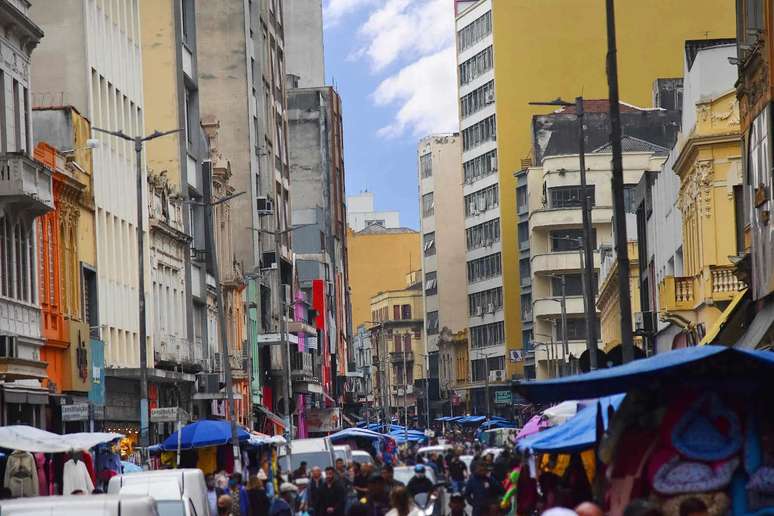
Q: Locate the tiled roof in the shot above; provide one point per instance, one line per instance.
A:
(632, 144)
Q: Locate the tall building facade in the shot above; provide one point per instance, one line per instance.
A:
(361, 213)
(443, 254)
(102, 79)
(319, 212)
(498, 42)
(26, 194)
(242, 84)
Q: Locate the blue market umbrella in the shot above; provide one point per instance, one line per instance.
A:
(204, 433)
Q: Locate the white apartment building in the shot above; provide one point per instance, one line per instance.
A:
(555, 240)
(92, 58)
(476, 91)
(443, 254)
(361, 213)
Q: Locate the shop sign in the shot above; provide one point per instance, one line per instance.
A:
(323, 419)
(168, 415)
(75, 412)
(503, 397)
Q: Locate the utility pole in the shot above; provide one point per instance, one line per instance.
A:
(405, 389)
(565, 346)
(212, 258)
(619, 214)
(142, 332)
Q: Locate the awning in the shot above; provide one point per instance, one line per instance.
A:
(758, 329)
(714, 330)
(701, 365)
(271, 416)
(31, 439)
(24, 395)
(576, 434)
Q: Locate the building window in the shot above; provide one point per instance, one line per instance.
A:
(396, 312)
(428, 206)
(432, 323)
(478, 133)
(483, 235)
(482, 200)
(429, 243)
(477, 30)
(397, 342)
(477, 99)
(525, 272)
(630, 198)
(489, 266)
(405, 312)
(485, 302)
(407, 342)
(522, 201)
(576, 329)
(431, 283)
(526, 307)
(570, 239)
(188, 20)
(480, 166)
(573, 285)
(426, 164)
(524, 235)
(569, 196)
(486, 335)
(17, 261)
(476, 66)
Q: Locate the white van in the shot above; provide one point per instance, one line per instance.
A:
(343, 452)
(80, 505)
(178, 492)
(315, 452)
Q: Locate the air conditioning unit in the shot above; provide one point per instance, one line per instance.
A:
(479, 310)
(490, 308)
(498, 375)
(489, 97)
(264, 205)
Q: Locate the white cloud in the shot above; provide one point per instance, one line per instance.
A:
(426, 91)
(335, 10)
(406, 29)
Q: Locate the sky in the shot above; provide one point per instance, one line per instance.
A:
(393, 63)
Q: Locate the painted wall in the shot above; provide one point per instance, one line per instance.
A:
(304, 41)
(565, 56)
(379, 262)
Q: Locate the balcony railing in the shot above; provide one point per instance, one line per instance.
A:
(25, 184)
(398, 356)
(715, 283)
(301, 364)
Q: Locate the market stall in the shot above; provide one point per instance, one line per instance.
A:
(378, 445)
(694, 423)
(35, 462)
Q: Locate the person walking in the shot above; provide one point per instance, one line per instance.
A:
(402, 503)
(285, 503)
(257, 499)
(331, 496)
(481, 489)
(225, 504)
(240, 505)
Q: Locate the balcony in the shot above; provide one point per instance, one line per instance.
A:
(400, 356)
(552, 308)
(716, 283)
(559, 261)
(301, 364)
(545, 218)
(25, 186)
(176, 350)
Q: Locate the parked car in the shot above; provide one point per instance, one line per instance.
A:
(91, 505)
(178, 492)
(363, 457)
(315, 452)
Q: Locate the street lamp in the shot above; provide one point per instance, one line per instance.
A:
(139, 141)
(591, 341)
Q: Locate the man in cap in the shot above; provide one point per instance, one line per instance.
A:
(285, 503)
(419, 483)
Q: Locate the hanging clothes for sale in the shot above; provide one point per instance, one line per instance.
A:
(40, 461)
(75, 477)
(207, 459)
(21, 474)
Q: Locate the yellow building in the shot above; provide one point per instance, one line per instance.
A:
(608, 299)
(400, 351)
(544, 50)
(710, 169)
(378, 259)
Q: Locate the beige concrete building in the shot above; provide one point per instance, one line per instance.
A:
(443, 251)
(555, 242)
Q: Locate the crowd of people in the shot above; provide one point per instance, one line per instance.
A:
(489, 486)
